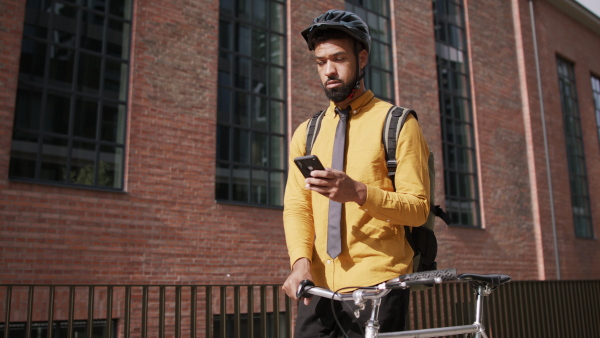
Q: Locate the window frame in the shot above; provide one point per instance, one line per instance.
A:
(241, 61)
(595, 82)
(369, 15)
(574, 147)
(461, 182)
(48, 27)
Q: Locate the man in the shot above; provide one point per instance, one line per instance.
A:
(373, 213)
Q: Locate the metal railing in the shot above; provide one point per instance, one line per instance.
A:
(542, 309)
(518, 309)
(146, 310)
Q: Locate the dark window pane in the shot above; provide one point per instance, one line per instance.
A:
(33, 59)
(277, 117)
(91, 32)
(260, 111)
(222, 182)
(65, 24)
(276, 84)
(110, 170)
(276, 50)
(260, 150)
(240, 183)
(24, 152)
(223, 143)
(259, 45)
(224, 103)
(116, 35)
(115, 73)
(242, 73)
(54, 159)
(33, 30)
(277, 152)
(259, 12)
(241, 109)
(83, 162)
(56, 117)
(89, 73)
(276, 184)
(259, 80)
(260, 179)
(243, 40)
(277, 16)
(113, 123)
(28, 109)
(86, 119)
(241, 146)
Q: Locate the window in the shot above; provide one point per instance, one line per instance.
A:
(379, 70)
(251, 121)
(60, 329)
(596, 94)
(71, 104)
(460, 171)
(580, 197)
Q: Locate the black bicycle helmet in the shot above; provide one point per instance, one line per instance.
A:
(343, 20)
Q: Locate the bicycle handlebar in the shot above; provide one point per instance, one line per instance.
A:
(307, 288)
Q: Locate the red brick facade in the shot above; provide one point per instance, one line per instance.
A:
(167, 228)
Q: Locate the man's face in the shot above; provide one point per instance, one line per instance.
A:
(336, 63)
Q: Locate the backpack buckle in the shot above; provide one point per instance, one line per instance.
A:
(392, 164)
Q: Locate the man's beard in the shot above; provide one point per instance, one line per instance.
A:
(339, 94)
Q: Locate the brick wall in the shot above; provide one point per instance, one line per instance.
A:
(167, 227)
(561, 35)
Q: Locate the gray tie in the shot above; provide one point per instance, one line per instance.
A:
(334, 242)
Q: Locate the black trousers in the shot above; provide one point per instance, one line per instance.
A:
(318, 320)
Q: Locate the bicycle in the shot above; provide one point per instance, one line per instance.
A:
(483, 285)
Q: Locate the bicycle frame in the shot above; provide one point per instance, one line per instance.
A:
(476, 328)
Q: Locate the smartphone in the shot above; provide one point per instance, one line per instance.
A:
(308, 163)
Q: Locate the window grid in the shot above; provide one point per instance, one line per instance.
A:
(251, 133)
(379, 70)
(71, 100)
(580, 198)
(596, 95)
(460, 173)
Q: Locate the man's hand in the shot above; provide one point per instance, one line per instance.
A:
(336, 185)
(300, 272)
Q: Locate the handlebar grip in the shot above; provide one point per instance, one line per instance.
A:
(303, 288)
(446, 275)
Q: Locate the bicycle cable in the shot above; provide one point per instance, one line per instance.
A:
(354, 320)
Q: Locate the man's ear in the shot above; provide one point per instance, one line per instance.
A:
(363, 57)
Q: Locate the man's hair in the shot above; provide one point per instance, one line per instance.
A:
(335, 34)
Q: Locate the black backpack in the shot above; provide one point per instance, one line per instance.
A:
(421, 239)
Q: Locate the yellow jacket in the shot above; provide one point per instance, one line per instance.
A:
(374, 248)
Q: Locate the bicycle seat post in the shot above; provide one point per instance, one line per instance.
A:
(372, 327)
(482, 291)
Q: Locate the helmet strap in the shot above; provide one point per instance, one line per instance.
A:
(359, 77)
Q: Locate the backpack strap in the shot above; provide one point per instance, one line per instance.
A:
(439, 212)
(312, 130)
(394, 122)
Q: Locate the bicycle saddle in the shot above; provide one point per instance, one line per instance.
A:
(491, 280)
